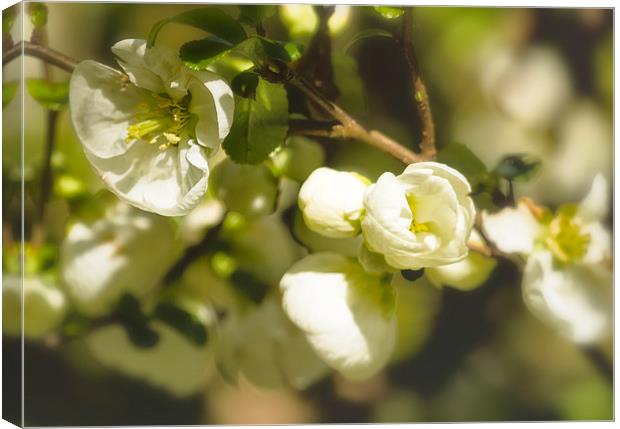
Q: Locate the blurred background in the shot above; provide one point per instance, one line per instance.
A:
(501, 81)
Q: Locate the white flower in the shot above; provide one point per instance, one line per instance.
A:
(513, 230)
(574, 299)
(264, 346)
(332, 202)
(346, 313)
(421, 218)
(148, 132)
(44, 306)
(467, 274)
(126, 252)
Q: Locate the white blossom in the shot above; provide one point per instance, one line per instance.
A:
(346, 314)
(148, 131)
(467, 274)
(44, 306)
(125, 252)
(513, 230)
(421, 218)
(574, 299)
(332, 202)
(267, 349)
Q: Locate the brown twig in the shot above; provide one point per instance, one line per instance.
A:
(44, 53)
(419, 92)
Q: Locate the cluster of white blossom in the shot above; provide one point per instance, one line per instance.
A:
(567, 277)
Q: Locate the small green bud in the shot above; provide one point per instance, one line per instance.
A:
(38, 14)
(298, 158)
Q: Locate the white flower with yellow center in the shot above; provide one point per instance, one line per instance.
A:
(346, 313)
(148, 131)
(126, 252)
(332, 202)
(567, 278)
(421, 218)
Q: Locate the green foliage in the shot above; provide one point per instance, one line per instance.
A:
(372, 33)
(347, 79)
(184, 322)
(390, 12)
(210, 20)
(200, 54)
(460, 157)
(520, 167)
(129, 313)
(51, 95)
(255, 13)
(260, 125)
(9, 90)
(38, 14)
(261, 49)
(8, 19)
(244, 84)
(247, 189)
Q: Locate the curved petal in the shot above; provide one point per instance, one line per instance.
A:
(346, 314)
(595, 205)
(575, 300)
(169, 182)
(513, 230)
(130, 54)
(214, 104)
(102, 105)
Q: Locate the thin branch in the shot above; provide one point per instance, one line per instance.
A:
(350, 128)
(420, 94)
(44, 53)
(598, 359)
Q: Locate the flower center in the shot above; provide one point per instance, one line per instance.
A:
(415, 227)
(162, 121)
(565, 237)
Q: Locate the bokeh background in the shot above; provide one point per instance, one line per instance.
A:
(501, 80)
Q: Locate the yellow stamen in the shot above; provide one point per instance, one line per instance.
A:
(416, 227)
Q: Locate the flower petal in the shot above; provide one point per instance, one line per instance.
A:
(513, 230)
(102, 106)
(575, 300)
(595, 205)
(213, 103)
(347, 314)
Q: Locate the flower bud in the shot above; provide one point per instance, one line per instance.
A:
(346, 313)
(299, 158)
(44, 306)
(332, 202)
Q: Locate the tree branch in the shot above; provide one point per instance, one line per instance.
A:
(44, 53)
(419, 92)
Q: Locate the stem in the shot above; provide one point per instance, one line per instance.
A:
(44, 53)
(600, 362)
(350, 128)
(420, 94)
(38, 234)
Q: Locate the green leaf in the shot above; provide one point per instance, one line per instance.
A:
(38, 14)
(371, 33)
(459, 157)
(184, 322)
(136, 323)
(390, 12)
(259, 125)
(8, 19)
(199, 54)
(8, 92)
(51, 95)
(260, 50)
(255, 13)
(244, 84)
(213, 21)
(519, 167)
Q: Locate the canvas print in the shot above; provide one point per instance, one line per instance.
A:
(304, 213)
